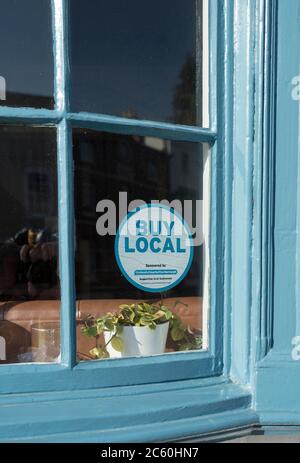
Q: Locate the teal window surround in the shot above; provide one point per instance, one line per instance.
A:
(279, 322)
(178, 366)
(197, 395)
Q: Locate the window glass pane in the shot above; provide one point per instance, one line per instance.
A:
(139, 59)
(29, 281)
(113, 169)
(26, 53)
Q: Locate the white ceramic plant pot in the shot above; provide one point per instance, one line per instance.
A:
(2, 349)
(140, 341)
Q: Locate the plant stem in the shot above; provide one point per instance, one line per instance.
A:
(85, 355)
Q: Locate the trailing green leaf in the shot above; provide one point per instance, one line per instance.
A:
(90, 331)
(117, 343)
(177, 332)
(109, 324)
(99, 353)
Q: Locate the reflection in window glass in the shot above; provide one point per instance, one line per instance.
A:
(29, 281)
(121, 169)
(26, 73)
(138, 59)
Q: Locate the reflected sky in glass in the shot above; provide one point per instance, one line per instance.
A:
(26, 55)
(135, 59)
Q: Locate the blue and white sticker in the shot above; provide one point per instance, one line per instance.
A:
(154, 248)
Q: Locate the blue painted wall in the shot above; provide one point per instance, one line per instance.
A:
(278, 375)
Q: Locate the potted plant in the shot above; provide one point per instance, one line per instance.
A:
(139, 329)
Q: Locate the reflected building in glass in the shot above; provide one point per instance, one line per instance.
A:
(29, 274)
(148, 169)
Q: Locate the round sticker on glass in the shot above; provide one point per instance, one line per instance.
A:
(154, 248)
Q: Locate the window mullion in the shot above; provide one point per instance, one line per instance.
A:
(61, 54)
(66, 244)
(125, 126)
(65, 185)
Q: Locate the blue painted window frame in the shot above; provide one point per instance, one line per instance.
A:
(178, 366)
